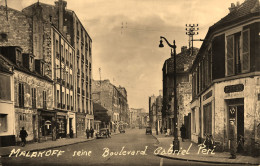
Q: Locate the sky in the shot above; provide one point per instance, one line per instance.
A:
(126, 35)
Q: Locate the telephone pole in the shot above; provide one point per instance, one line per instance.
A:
(191, 30)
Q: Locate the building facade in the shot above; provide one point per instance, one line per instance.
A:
(226, 78)
(55, 45)
(7, 114)
(114, 99)
(183, 82)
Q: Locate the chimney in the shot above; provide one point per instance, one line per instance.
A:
(183, 48)
(60, 4)
(232, 8)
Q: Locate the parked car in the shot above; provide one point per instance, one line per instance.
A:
(148, 130)
(122, 130)
(102, 133)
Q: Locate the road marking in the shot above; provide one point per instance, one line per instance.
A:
(161, 162)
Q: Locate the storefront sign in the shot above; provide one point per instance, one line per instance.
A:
(234, 88)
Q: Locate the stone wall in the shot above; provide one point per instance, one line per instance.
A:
(17, 29)
(24, 116)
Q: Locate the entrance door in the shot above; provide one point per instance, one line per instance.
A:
(70, 128)
(34, 128)
(240, 127)
(236, 112)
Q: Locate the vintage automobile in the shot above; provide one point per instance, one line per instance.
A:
(148, 130)
(102, 133)
(122, 130)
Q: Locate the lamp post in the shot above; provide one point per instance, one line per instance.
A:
(176, 143)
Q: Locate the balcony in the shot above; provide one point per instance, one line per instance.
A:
(63, 106)
(78, 90)
(68, 107)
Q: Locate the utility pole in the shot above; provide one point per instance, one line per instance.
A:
(191, 30)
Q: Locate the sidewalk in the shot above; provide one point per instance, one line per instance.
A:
(5, 151)
(217, 158)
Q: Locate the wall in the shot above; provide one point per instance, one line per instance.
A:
(17, 28)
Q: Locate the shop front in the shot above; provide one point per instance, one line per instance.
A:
(47, 125)
(61, 124)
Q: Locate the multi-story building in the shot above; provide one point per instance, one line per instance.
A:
(138, 117)
(7, 114)
(152, 111)
(155, 111)
(73, 71)
(183, 82)
(60, 45)
(113, 98)
(226, 79)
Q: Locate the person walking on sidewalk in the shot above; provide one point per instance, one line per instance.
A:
(87, 133)
(183, 132)
(23, 135)
(91, 131)
(232, 138)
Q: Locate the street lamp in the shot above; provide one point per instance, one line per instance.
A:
(176, 143)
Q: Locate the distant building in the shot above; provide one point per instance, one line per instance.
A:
(155, 111)
(114, 99)
(226, 79)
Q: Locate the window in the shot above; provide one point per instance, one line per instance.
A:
(44, 100)
(3, 122)
(237, 53)
(207, 118)
(33, 98)
(21, 95)
(3, 37)
(5, 87)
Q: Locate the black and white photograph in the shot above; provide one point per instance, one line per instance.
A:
(129, 82)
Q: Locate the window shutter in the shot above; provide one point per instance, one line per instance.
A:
(245, 51)
(230, 56)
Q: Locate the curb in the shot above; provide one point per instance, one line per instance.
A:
(58, 146)
(204, 161)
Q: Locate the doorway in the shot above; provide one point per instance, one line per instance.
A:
(236, 112)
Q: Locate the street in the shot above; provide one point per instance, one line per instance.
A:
(131, 148)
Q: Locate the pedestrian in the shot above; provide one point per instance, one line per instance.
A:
(165, 130)
(183, 132)
(23, 135)
(71, 133)
(108, 133)
(91, 131)
(87, 133)
(232, 138)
